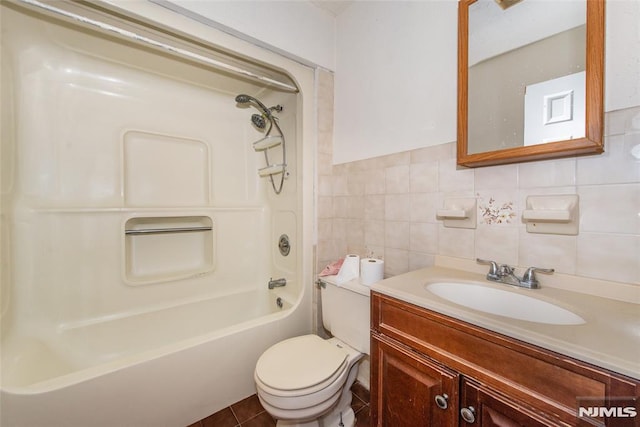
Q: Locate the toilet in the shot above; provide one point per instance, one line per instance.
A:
(306, 381)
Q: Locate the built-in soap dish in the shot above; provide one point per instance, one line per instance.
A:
(458, 213)
(163, 248)
(552, 214)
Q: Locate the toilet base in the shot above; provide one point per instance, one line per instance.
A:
(331, 419)
(341, 415)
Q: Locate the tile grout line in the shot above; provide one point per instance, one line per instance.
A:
(238, 423)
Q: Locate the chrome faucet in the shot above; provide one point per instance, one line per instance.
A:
(277, 283)
(506, 274)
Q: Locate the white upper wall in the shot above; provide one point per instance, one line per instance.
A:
(296, 29)
(396, 73)
(395, 62)
(395, 81)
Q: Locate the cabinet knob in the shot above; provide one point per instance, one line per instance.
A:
(468, 414)
(442, 401)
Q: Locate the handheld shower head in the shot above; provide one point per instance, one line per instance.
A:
(243, 99)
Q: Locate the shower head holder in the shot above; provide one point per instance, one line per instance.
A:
(268, 141)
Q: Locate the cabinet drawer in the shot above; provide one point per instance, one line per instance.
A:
(546, 380)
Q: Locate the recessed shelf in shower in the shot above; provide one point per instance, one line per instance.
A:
(163, 248)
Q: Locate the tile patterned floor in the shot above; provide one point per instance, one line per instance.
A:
(249, 412)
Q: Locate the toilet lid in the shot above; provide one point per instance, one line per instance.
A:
(299, 362)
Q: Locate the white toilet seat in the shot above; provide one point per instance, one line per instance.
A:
(321, 367)
(300, 366)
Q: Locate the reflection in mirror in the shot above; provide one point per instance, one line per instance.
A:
(530, 79)
(520, 60)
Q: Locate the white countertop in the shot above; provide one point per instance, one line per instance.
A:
(610, 337)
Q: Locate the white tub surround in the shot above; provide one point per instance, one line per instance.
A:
(138, 239)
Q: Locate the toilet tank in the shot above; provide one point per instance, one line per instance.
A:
(346, 312)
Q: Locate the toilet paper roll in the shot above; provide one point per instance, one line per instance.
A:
(350, 269)
(371, 271)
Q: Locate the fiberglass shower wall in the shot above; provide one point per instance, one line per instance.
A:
(103, 139)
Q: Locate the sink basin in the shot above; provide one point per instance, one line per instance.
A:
(504, 303)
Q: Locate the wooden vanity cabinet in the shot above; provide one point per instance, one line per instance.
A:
(482, 406)
(428, 369)
(407, 386)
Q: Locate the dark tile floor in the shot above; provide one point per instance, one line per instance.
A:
(249, 412)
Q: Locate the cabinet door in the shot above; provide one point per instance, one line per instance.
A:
(481, 406)
(410, 390)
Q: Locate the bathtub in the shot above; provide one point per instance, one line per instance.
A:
(165, 367)
(104, 140)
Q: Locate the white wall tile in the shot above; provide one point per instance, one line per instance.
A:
(396, 234)
(610, 208)
(424, 207)
(452, 179)
(355, 236)
(388, 205)
(457, 242)
(375, 182)
(549, 173)
(396, 261)
(424, 177)
(503, 176)
(397, 179)
(615, 166)
(499, 207)
(339, 230)
(419, 260)
(498, 244)
(423, 237)
(325, 207)
(374, 207)
(434, 153)
(374, 232)
(355, 207)
(609, 257)
(340, 207)
(397, 207)
(547, 251)
(356, 183)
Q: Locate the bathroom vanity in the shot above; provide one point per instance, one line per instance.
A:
(431, 368)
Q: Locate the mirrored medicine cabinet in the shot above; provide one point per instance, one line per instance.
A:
(530, 80)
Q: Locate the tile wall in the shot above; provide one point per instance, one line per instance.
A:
(386, 205)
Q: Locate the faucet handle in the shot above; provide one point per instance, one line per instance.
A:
(493, 273)
(529, 277)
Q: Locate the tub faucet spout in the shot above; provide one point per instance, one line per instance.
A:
(277, 283)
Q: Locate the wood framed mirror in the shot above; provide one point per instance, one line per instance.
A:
(528, 88)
